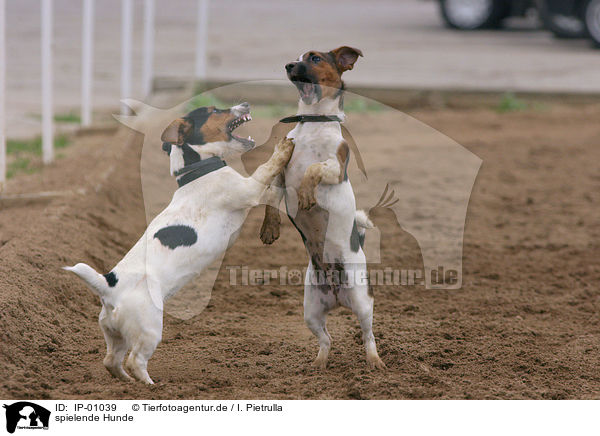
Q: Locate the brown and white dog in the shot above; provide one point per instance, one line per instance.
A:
(203, 219)
(320, 200)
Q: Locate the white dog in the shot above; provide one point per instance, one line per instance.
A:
(199, 224)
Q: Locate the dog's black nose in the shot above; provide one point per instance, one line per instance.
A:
(289, 66)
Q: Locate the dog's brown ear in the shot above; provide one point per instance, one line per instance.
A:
(345, 57)
(177, 132)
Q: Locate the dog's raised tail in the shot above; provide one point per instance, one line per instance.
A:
(362, 220)
(362, 224)
(95, 281)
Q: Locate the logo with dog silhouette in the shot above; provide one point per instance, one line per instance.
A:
(26, 415)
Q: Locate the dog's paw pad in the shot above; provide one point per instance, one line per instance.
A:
(374, 362)
(320, 364)
(269, 235)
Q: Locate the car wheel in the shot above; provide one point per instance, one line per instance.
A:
(561, 25)
(592, 20)
(473, 14)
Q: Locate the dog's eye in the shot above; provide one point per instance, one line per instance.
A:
(315, 58)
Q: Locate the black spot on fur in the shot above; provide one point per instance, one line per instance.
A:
(346, 165)
(355, 238)
(167, 147)
(177, 236)
(111, 279)
(340, 93)
(317, 262)
(361, 238)
(198, 117)
(189, 155)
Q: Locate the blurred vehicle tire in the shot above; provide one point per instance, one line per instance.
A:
(591, 15)
(474, 14)
(560, 24)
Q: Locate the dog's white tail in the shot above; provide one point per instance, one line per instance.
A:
(362, 220)
(96, 282)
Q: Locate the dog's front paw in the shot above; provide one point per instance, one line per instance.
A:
(286, 145)
(269, 232)
(306, 197)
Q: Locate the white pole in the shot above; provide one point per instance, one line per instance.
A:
(147, 71)
(126, 35)
(87, 38)
(201, 34)
(47, 117)
(2, 93)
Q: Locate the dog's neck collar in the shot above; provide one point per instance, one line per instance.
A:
(196, 170)
(311, 119)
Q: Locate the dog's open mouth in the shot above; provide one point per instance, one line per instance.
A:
(237, 122)
(306, 88)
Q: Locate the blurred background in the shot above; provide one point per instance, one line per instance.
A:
(407, 44)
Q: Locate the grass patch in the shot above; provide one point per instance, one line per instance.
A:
(361, 105)
(67, 118)
(14, 146)
(205, 99)
(61, 141)
(273, 110)
(510, 103)
(540, 107)
(352, 104)
(259, 111)
(23, 155)
(33, 146)
(19, 165)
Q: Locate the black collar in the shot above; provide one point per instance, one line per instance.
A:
(196, 170)
(310, 119)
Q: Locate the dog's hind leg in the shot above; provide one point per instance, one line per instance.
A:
(141, 352)
(316, 307)
(361, 302)
(116, 348)
(315, 319)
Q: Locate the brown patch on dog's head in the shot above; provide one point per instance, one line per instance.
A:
(212, 127)
(207, 125)
(177, 131)
(319, 74)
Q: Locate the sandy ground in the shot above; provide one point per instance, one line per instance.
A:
(404, 42)
(524, 324)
